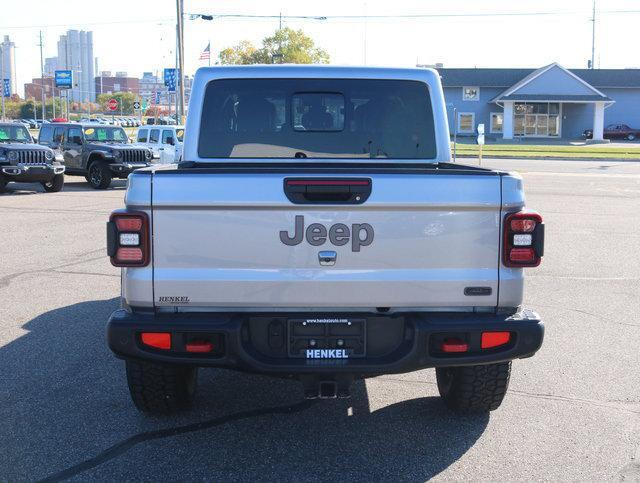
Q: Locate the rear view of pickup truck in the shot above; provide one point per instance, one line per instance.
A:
(316, 228)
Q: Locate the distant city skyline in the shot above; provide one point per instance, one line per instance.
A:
(8, 51)
(139, 36)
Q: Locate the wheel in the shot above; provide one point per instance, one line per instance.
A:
(473, 389)
(55, 185)
(99, 176)
(3, 184)
(161, 388)
(631, 137)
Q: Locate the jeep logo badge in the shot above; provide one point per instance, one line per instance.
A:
(361, 234)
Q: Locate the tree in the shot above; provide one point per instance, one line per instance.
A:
(285, 46)
(26, 109)
(243, 53)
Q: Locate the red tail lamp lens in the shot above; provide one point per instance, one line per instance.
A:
(129, 255)
(128, 239)
(523, 225)
(129, 223)
(494, 339)
(522, 255)
(199, 346)
(157, 340)
(454, 345)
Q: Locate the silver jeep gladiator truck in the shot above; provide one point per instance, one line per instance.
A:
(317, 229)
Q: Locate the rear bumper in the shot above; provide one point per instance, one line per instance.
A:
(238, 345)
(31, 174)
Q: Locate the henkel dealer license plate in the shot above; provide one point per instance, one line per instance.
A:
(327, 338)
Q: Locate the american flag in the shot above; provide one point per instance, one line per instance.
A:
(206, 53)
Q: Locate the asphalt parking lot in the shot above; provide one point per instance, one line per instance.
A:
(572, 413)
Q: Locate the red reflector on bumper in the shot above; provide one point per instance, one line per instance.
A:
(199, 346)
(522, 255)
(454, 345)
(129, 255)
(494, 339)
(158, 340)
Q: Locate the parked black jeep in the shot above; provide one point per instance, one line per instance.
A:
(23, 161)
(99, 153)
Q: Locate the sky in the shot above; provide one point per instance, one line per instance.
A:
(139, 35)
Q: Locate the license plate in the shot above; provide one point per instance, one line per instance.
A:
(328, 338)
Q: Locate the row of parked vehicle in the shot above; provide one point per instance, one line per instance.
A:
(99, 152)
(113, 121)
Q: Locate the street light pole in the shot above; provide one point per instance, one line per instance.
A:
(180, 33)
(44, 96)
(2, 75)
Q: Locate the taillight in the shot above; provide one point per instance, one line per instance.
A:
(128, 238)
(523, 239)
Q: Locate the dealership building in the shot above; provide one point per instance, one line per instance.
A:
(550, 102)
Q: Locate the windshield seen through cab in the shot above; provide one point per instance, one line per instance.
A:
(105, 134)
(14, 134)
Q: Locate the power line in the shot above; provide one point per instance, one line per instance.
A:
(85, 24)
(239, 16)
(244, 17)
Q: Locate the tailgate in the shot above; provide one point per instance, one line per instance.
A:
(217, 242)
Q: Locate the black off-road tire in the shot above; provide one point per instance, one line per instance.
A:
(99, 176)
(3, 184)
(55, 185)
(631, 137)
(161, 388)
(474, 389)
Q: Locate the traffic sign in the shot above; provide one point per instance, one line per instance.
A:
(170, 79)
(136, 105)
(6, 88)
(112, 104)
(64, 79)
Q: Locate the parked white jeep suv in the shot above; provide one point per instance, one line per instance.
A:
(164, 141)
(316, 228)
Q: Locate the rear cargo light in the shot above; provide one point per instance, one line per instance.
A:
(157, 340)
(128, 239)
(523, 244)
(453, 345)
(494, 339)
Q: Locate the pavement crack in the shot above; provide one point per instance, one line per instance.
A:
(7, 279)
(610, 404)
(124, 446)
(86, 273)
(599, 318)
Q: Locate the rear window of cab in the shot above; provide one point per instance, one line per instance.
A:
(317, 118)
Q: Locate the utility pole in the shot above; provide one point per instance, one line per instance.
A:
(180, 33)
(44, 96)
(2, 75)
(593, 36)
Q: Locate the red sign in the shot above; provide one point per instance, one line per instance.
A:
(112, 104)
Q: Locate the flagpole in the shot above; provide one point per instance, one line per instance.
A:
(209, 52)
